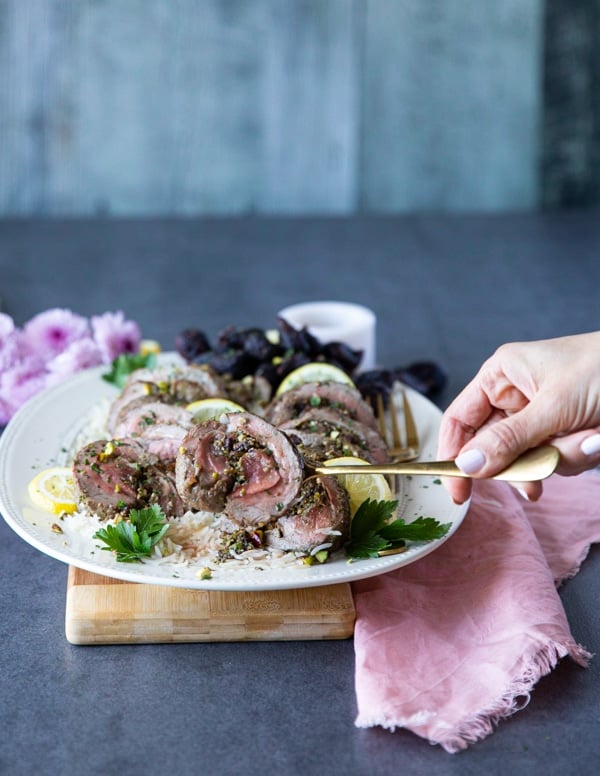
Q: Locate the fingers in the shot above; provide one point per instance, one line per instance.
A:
(458, 489)
(456, 437)
(530, 491)
(492, 447)
(498, 444)
(467, 413)
(579, 451)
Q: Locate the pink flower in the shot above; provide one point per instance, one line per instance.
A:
(9, 343)
(114, 335)
(82, 354)
(54, 345)
(21, 382)
(51, 332)
(7, 327)
(9, 354)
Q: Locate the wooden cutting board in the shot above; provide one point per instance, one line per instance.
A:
(102, 610)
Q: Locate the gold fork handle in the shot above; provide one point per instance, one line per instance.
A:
(535, 464)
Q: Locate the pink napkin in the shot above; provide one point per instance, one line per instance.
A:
(450, 645)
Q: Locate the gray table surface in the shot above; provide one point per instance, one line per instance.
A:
(444, 288)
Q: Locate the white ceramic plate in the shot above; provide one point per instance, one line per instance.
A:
(44, 430)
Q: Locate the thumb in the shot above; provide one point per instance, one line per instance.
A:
(497, 445)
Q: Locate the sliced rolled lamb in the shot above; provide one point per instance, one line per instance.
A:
(114, 476)
(240, 465)
(345, 399)
(318, 519)
(179, 385)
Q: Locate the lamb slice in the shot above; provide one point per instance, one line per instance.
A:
(134, 392)
(253, 392)
(321, 434)
(107, 475)
(362, 436)
(178, 385)
(317, 447)
(114, 476)
(141, 415)
(269, 470)
(344, 398)
(196, 381)
(164, 440)
(183, 384)
(203, 475)
(160, 427)
(318, 519)
(240, 465)
(158, 487)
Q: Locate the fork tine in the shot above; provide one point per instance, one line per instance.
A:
(401, 447)
(380, 414)
(412, 437)
(397, 442)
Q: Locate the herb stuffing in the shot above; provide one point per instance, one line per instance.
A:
(372, 531)
(133, 539)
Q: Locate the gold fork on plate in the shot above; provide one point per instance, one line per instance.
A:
(402, 446)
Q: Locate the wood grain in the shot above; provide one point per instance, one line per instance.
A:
(103, 610)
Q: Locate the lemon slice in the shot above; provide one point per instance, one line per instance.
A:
(148, 346)
(315, 372)
(53, 490)
(360, 487)
(212, 408)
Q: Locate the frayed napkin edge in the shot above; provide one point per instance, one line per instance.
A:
(575, 568)
(516, 698)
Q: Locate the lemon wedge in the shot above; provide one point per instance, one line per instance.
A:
(53, 490)
(212, 408)
(315, 372)
(148, 346)
(360, 487)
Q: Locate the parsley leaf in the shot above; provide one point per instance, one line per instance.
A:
(133, 539)
(126, 363)
(371, 530)
(423, 529)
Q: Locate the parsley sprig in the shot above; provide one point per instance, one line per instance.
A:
(133, 539)
(372, 529)
(123, 365)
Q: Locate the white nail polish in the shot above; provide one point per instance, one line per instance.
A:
(591, 445)
(471, 461)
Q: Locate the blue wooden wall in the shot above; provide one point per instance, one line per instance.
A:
(269, 106)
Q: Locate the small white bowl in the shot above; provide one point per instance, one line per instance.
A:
(346, 322)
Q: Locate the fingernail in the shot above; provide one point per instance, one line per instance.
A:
(471, 461)
(591, 445)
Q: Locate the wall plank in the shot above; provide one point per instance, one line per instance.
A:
(159, 104)
(311, 106)
(571, 132)
(266, 106)
(451, 105)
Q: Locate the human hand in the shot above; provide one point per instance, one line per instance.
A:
(526, 394)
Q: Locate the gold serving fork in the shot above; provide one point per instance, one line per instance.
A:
(401, 446)
(536, 464)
